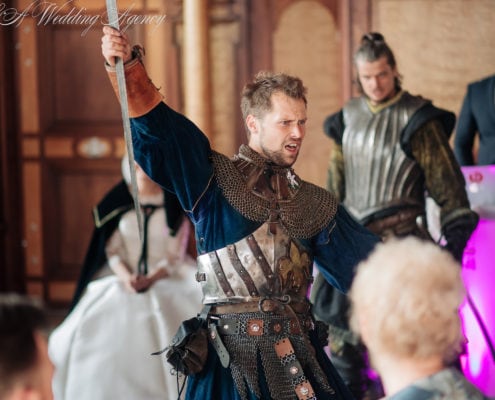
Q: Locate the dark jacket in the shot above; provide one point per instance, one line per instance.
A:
(477, 116)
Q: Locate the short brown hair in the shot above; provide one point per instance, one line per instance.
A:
(256, 95)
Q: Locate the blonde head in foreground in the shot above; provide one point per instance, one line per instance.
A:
(405, 301)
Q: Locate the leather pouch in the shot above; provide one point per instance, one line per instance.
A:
(189, 348)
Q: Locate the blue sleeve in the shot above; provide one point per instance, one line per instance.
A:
(465, 132)
(340, 247)
(173, 152)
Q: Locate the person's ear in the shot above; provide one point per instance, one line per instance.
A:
(252, 124)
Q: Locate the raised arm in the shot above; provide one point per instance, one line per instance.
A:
(170, 148)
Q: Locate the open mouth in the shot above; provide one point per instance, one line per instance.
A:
(292, 147)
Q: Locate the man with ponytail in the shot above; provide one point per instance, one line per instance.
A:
(389, 148)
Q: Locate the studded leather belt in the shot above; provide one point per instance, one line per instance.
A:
(259, 327)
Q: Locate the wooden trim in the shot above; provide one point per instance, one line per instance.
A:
(33, 222)
(11, 273)
(61, 291)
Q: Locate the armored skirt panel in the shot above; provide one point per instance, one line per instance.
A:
(382, 176)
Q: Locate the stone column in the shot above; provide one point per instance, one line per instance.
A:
(197, 99)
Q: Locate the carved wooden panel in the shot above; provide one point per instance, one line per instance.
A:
(80, 89)
(71, 190)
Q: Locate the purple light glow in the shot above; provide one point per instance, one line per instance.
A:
(478, 275)
(478, 270)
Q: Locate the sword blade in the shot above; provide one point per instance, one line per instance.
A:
(113, 21)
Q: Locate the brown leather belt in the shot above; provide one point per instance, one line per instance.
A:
(263, 305)
(259, 327)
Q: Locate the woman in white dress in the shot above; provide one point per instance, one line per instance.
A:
(102, 350)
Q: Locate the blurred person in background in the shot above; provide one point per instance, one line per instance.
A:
(131, 298)
(25, 368)
(389, 148)
(405, 301)
(477, 119)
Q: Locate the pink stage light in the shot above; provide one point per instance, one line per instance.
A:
(478, 313)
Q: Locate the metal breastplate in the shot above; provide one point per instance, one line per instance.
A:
(264, 264)
(379, 175)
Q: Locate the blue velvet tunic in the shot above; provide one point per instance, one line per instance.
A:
(177, 155)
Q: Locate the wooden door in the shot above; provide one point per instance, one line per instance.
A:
(70, 130)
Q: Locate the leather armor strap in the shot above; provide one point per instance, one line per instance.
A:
(246, 278)
(263, 263)
(263, 304)
(220, 275)
(218, 345)
(292, 367)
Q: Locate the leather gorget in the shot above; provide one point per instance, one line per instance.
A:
(380, 176)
